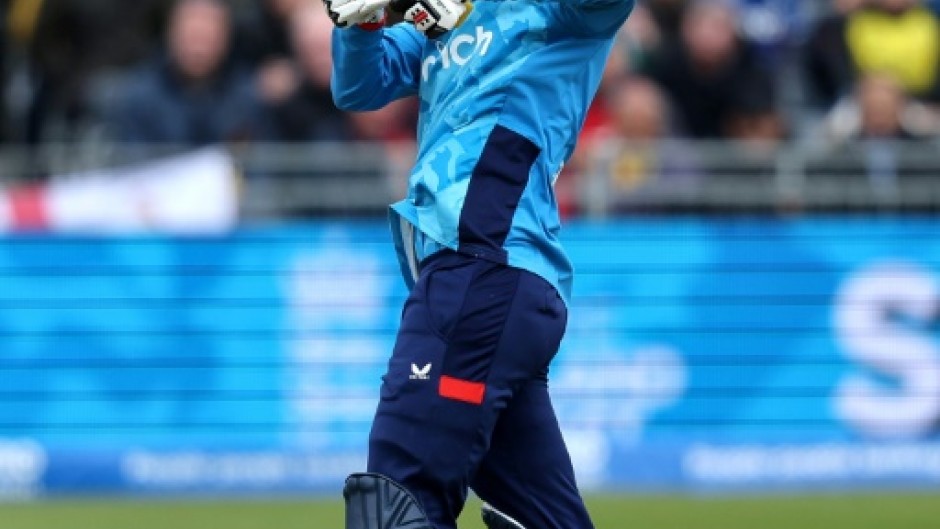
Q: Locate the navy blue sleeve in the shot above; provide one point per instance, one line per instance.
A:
(595, 18)
(374, 68)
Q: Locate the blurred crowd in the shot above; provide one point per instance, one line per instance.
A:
(198, 72)
(187, 73)
(772, 70)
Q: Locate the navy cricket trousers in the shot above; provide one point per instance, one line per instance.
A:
(465, 400)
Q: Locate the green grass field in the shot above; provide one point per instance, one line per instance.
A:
(824, 511)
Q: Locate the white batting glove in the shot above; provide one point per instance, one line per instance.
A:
(433, 17)
(345, 13)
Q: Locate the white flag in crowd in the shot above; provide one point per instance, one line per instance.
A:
(191, 193)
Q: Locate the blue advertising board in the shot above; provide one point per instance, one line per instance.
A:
(702, 353)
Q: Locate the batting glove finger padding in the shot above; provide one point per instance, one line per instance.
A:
(346, 13)
(433, 17)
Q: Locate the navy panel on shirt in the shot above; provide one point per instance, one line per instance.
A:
(496, 185)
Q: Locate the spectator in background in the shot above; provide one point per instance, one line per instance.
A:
(900, 37)
(301, 107)
(704, 71)
(753, 117)
(770, 25)
(870, 128)
(69, 42)
(755, 127)
(829, 71)
(641, 37)
(639, 111)
(638, 155)
(267, 43)
(878, 109)
(192, 96)
(881, 103)
(668, 16)
(263, 32)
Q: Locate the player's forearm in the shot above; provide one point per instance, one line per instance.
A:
(593, 4)
(594, 18)
(369, 70)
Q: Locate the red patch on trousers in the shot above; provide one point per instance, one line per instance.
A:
(462, 390)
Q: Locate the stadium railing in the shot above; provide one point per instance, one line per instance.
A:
(328, 179)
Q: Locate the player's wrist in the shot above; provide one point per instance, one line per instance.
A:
(375, 22)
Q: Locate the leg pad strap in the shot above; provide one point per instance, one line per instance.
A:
(374, 501)
(495, 519)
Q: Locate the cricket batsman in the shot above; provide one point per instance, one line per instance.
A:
(504, 86)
